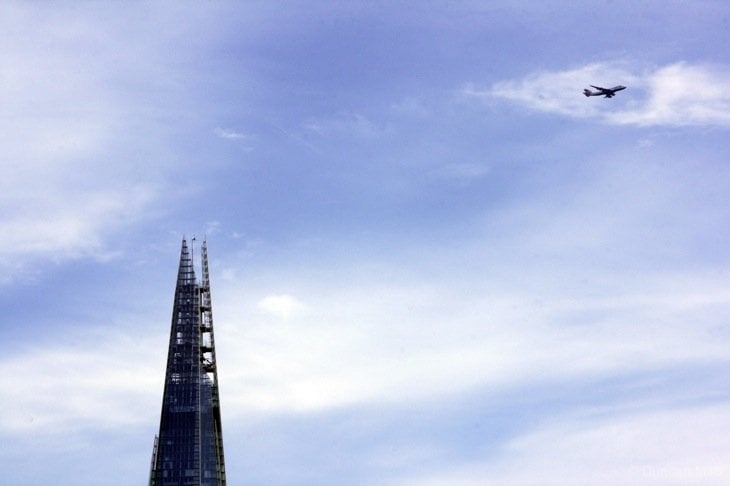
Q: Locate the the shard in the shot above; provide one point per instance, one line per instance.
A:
(188, 450)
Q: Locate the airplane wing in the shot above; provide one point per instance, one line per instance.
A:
(598, 88)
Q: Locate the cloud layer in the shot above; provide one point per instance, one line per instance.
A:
(680, 446)
(677, 94)
(408, 288)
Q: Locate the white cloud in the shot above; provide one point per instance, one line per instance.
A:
(682, 94)
(677, 94)
(576, 285)
(532, 300)
(374, 343)
(235, 136)
(346, 123)
(84, 150)
(677, 446)
(54, 387)
(57, 226)
(230, 134)
(558, 92)
(53, 153)
(281, 306)
(212, 228)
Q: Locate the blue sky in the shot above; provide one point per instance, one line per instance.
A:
(433, 260)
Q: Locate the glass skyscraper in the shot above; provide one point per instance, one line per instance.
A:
(188, 450)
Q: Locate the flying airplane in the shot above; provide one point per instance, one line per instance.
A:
(607, 92)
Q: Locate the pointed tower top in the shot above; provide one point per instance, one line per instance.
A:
(189, 447)
(186, 272)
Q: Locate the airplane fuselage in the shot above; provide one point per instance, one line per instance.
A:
(605, 92)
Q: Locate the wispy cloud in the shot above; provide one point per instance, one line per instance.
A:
(229, 134)
(87, 375)
(682, 94)
(232, 135)
(346, 123)
(57, 225)
(684, 445)
(373, 343)
(84, 150)
(282, 306)
(675, 95)
(461, 171)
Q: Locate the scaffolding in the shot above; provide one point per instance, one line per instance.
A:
(188, 451)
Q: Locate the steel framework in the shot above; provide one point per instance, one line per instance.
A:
(188, 451)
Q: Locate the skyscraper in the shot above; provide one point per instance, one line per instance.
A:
(188, 450)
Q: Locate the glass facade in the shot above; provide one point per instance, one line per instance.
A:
(189, 447)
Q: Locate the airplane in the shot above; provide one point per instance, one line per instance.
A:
(606, 92)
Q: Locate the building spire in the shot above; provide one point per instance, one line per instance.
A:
(189, 447)
(186, 271)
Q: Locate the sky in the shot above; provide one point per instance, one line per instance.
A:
(433, 260)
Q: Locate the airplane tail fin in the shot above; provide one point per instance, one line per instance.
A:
(587, 92)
